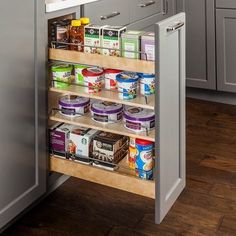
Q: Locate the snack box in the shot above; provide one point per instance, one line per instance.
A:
(59, 138)
(93, 37)
(148, 46)
(81, 144)
(111, 40)
(131, 44)
(109, 148)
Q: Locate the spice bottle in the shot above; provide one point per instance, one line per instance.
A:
(84, 21)
(75, 35)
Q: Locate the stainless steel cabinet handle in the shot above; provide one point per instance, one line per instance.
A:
(175, 27)
(146, 4)
(113, 14)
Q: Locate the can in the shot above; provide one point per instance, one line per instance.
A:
(132, 157)
(144, 159)
(93, 79)
(147, 84)
(110, 78)
(61, 75)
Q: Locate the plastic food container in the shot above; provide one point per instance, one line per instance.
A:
(61, 75)
(127, 83)
(144, 160)
(139, 119)
(79, 78)
(93, 79)
(106, 112)
(73, 105)
(110, 78)
(147, 84)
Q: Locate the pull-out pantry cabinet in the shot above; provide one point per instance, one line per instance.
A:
(168, 104)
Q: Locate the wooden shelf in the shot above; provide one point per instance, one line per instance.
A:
(117, 128)
(120, 179)
(107, 96)
(102, 61)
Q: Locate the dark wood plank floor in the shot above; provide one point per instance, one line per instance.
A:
(206, 207)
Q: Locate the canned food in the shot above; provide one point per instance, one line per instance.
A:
(73, 105)
(144, 160)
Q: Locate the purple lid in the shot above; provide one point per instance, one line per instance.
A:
(138, 114)
(106, 107)
(73, 101)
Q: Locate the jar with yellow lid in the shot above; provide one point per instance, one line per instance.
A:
(84, 21)
(76, 35)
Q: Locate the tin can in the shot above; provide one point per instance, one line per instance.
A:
(132, 157)
(144, 160)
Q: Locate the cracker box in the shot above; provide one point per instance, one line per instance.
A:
(59, 138)
(131, 43)
(81, 141)
(148, 46)
(108, 147)
(93, 37)
(111, 40)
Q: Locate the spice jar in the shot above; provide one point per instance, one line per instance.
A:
(76, 35)
(84, 21)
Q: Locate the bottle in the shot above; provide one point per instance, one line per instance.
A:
(75, 35)
(84, 21)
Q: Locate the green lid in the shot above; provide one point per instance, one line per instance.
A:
(77, 66)
(61, 68)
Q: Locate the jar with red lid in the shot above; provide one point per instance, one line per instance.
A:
(110, 78)
(144, 159)
(93, 79)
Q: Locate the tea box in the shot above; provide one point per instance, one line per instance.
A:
(92, 38)
(111, 40)
(148, 46)
(131, 44)
(108, 147)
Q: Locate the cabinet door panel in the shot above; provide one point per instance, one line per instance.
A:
(226, 50)
(21, 167)
(170, 107)
(200, 42)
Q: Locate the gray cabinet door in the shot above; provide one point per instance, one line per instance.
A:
(200, 36)
(22, 78)
(226, 49)
(170, 107)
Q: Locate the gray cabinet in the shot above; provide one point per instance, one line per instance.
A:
(200, 36)
(226, 49)
(22, 103)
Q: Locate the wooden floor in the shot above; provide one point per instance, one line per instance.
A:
(206, 207)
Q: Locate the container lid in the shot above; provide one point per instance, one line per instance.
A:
(75, 23)
(138, 114)
(80, 66)
(127, 77)
(143, 142)
(92, 71)
(105, 107)
(112, 71)
(132, 34)
(148, 36)
(73, 101)
(61, 68)
(85, 20)
(143, 75)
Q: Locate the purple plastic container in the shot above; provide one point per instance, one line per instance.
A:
(139, 119)
(106, 112)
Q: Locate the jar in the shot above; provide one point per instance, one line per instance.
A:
(84, 21)
(144, 160)
(79, 78)
(93, 79)
(106, 112)
(74, 105)
(76, 35)
(61, 74)
(147, 84)
(127, 83)
(110, 78)
(138, 119)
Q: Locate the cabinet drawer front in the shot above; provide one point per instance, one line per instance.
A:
(226, 4)
(108, 12)
(140, 9)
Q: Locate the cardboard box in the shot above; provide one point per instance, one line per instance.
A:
(148, 46)
(111, 40)
(93, 37)
(108, 147)
(80, 142)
